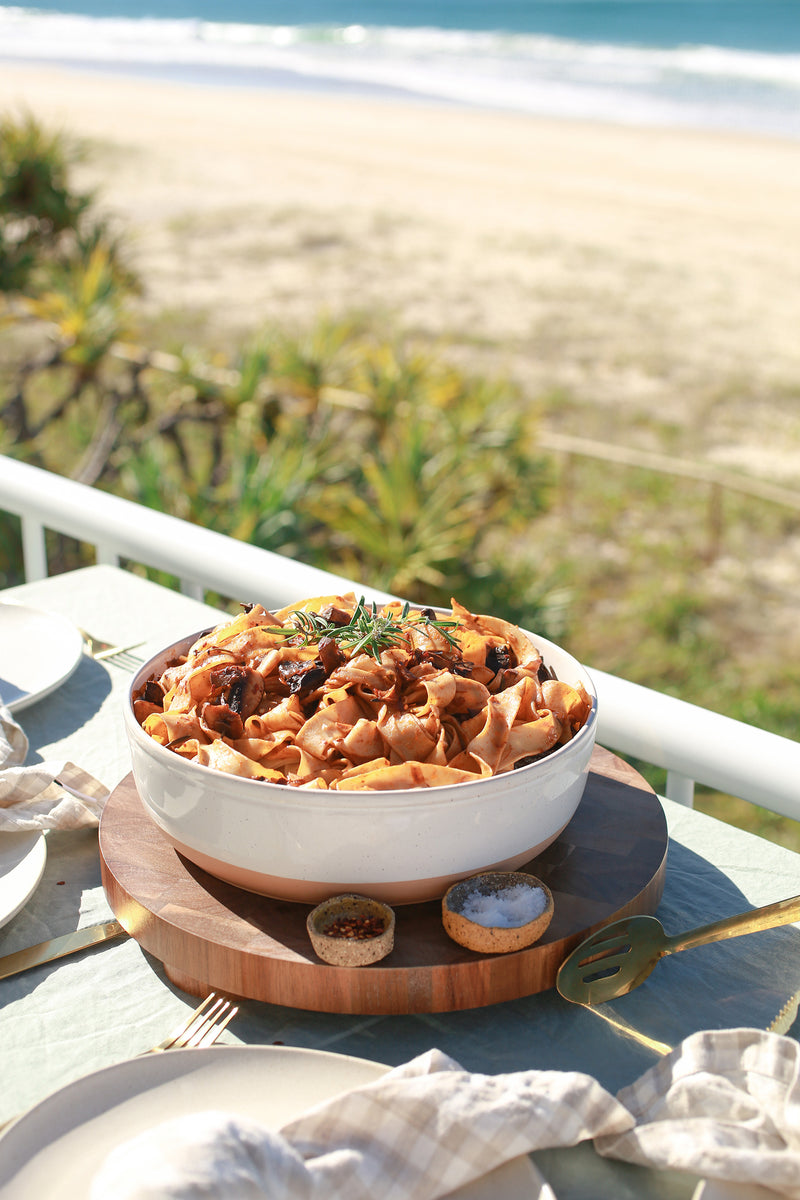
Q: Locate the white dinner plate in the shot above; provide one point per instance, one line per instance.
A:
(38, 652)
(22, 861)
(56, 1148)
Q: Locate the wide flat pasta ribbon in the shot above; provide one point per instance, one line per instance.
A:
(501, 712)
(325, 730)
(408, 738)
(405, 775)
(260, 696)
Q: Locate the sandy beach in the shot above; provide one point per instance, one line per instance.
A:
(635, 271)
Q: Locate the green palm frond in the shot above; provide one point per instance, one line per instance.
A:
(86, 306)
(34, 175)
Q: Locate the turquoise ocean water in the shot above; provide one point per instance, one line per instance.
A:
(724, 64)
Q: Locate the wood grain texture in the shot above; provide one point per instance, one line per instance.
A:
(609, 862)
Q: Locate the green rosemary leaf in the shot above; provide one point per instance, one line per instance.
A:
(365, 631)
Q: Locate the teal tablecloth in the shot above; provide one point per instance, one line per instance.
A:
(61, 1021)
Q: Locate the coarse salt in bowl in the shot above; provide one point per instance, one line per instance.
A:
(497, 912)
(400, 846)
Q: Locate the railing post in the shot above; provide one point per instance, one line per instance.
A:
(689, 742)
(680, 789)
(105, 555)
(34, 549)
(195, 590)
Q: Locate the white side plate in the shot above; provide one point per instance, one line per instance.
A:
(22, 862)
(38, 652)
(57, 1148)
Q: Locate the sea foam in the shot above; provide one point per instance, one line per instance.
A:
(685, 85)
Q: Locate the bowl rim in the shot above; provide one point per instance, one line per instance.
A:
(515, 879)
(355, 798)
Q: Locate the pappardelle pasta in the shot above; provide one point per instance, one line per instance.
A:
(333, 693)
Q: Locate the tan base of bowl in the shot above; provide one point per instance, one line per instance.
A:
(312, 891)
(493, 939)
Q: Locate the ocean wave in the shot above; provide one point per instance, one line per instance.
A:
(687, 84)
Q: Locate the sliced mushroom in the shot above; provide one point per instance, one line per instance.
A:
(498, 658)
(330, 654)
(334, 615)
(240, 688)
(302, 677)
(153, 692)
(219, 718)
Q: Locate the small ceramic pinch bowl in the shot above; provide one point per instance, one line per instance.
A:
(497, 912)
(351, 930)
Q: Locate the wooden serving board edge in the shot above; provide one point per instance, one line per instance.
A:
(475, 982)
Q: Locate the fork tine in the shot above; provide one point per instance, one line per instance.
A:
(205, 1029)
(101, 650)
(201, 1024)
(183, 1025)
(211, 1035)
(112, 653)
(125, 660)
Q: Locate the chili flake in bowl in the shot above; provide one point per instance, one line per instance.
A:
(351, 930)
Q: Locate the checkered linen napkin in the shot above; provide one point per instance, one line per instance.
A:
(47, 795)
(417, 1133)
(724, 1105)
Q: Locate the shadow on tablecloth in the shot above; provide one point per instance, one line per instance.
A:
(743, 981)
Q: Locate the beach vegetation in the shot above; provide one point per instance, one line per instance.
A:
(356, 452)
(354, 447)
(37, 204)
(46, 224)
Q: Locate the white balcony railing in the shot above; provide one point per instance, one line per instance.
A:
(692, 744)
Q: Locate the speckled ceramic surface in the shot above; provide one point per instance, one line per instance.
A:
(491, 938)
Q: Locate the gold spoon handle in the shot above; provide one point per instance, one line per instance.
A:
(782, 912)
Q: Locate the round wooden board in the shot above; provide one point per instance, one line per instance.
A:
(609, 862)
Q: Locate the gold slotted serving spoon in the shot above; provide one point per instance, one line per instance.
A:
(620, 956)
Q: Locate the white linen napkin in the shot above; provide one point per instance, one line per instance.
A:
(47, 795)
(724, 1105)
(419, 1132)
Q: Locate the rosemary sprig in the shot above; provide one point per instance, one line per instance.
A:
(367, 630)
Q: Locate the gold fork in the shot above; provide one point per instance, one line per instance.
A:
(107, 651)
(201, 1027)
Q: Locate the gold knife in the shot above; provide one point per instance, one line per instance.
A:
(68, 943)
(787, 1016)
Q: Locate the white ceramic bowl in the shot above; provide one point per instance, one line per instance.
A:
(398, 846)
